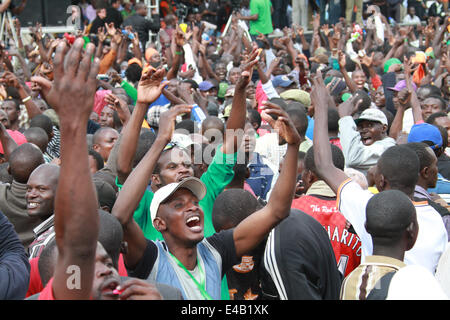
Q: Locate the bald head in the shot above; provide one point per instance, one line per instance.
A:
(49, 172)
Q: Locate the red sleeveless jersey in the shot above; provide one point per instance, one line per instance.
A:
(346, 245)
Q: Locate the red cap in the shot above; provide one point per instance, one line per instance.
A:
(18, 137)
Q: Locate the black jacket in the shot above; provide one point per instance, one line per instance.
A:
(299, 261)
(14, 265)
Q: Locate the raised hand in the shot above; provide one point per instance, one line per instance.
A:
(150, 85)
(247, 68)
(110, 29)
(367, 61)
(280, 121)
(168, 118)
(319, 93)
(120, 106)
(10, 80)
(73, 90)
(341, 60)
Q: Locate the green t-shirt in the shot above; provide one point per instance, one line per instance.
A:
(264, 22)
(216, 178)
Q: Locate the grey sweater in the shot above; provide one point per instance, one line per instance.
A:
(14, 207)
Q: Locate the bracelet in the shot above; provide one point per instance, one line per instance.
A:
(26, 99)
(179, 53)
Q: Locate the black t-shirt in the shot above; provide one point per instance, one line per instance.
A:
(223, 242)
(96, 24)
(244, 279)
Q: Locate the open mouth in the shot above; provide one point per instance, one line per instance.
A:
(193, 223)
(32, 205)
(366, 140)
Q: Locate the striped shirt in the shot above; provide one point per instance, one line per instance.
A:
(54, 144)
(360, 282)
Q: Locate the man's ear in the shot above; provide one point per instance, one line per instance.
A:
(310, 177)
(9, 169)
(424, 172)
(381, 184)
(156, 181)
(96, 147)
(411, 234)
(159, 224)
(385, 127)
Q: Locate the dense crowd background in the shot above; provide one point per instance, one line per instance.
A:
(245, 150)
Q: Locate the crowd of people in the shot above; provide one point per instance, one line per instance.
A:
(199, 154)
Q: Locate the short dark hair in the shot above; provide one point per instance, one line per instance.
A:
(400, 166)
(110, 235)
(133, 72)
(441, 100)
(42, 121)
(145, 142)
(254, 117)
(444, 134)
(38, 136)
(23, 160)
(300, 120)
(97, 157)
(188, 125)
(336, 154)
(232, 206)
(420, 148)
(434, 91)
(279, 102)
(388, 214)
(432, 118)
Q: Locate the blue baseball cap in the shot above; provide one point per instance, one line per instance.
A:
(282, 81)
(205, 86)
(426, 132)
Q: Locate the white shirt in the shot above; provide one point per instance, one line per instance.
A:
(357, 155)
(431, 239)
(411, 20)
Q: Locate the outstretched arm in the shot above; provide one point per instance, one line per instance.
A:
(251, 231)
(76, 217)
(322, 148)
(238, 115)
(149, 89)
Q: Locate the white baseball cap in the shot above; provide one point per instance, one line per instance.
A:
(373, 115)
(195, 185)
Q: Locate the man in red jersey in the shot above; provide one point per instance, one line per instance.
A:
(320, 203)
